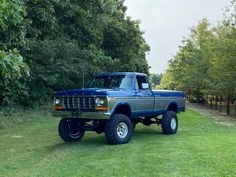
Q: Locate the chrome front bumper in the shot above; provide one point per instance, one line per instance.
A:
(82, 115)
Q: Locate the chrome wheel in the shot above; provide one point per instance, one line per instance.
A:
(74, 129)
(122, 130)
(173, 123)
(70, 129)
(118, 129)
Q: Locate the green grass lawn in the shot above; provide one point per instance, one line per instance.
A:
(200, 148)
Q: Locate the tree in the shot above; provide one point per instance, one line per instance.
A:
(14, 72)
(13, 76)
(205, 65)
(190, 65)
(12, 24)
(155, 79)
(72, 39)
(62, 42)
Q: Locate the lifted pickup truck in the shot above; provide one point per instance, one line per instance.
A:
(114, 104)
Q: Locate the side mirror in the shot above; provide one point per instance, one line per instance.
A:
(145, 86)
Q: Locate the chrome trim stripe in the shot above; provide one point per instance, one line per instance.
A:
(82, 115)
(135, 97)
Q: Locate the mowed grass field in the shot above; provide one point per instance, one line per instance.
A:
(201, 147)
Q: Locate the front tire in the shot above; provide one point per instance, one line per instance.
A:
(118, 129)
(71, 129)
(169, 123)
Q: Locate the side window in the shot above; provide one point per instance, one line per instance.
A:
(127, 82)
(140, 80)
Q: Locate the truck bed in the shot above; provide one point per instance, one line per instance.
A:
(168, 99)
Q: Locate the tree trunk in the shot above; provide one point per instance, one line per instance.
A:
(220, 104)
(216, 102)
(211, 103)
(203, 101)
(228, 105)
(198, 99)
(207, 101)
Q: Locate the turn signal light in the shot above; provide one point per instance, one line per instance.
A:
(102, 108)
(59, 107)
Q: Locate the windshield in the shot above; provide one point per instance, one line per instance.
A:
(116, 81)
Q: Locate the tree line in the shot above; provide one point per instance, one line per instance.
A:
(51, 45)
(205, 65)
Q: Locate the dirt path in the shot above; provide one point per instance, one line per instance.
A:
(220, 118)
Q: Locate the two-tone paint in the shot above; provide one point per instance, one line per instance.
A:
(146, 102)
(138, 103)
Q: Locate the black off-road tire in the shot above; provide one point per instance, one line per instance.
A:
(114, 127)
(71, 129)
(169, 123)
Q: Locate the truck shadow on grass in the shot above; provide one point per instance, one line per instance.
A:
(93, 140)
(147, 131)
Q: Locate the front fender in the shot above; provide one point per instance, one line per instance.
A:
(120, 104)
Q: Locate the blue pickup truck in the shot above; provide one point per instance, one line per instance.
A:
(114, 104)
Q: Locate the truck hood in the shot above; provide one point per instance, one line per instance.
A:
(89, 91)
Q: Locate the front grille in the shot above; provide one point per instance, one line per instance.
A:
(82, 103)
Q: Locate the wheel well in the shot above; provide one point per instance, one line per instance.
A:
(173, 107)
(123, 109)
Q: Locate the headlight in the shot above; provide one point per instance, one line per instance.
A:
(101, 101)
(101, 104)
(57, 101)
(58, 104)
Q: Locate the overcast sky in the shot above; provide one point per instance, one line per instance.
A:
(166, 22)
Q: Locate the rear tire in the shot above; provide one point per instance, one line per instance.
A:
(71, 129)
(169, 123)
(118, 129)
